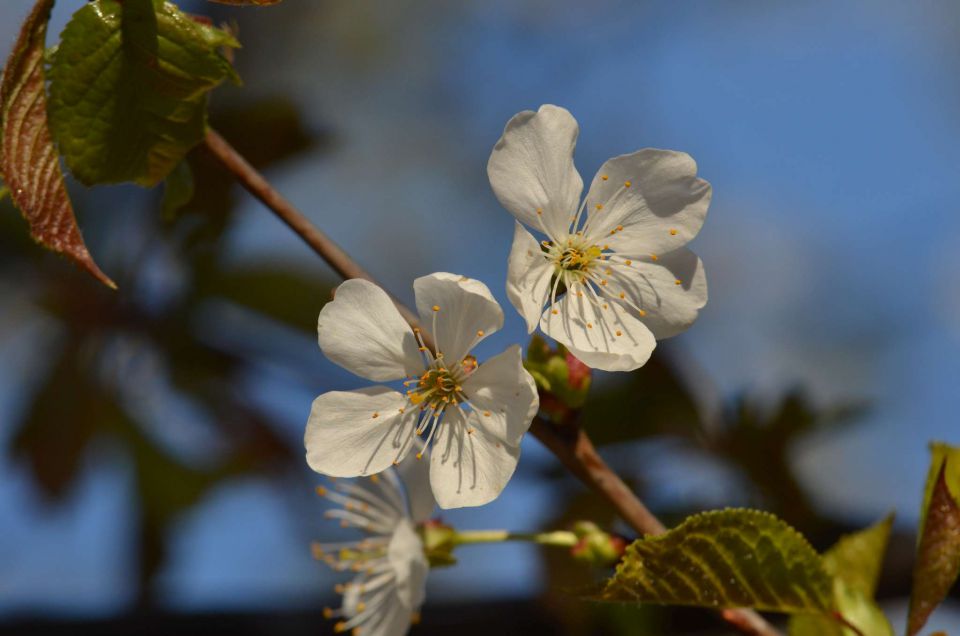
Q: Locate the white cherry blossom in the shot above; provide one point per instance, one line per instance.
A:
(612, 274)
(473, 416)
(385, 596)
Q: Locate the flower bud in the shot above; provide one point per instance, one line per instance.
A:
(438, 543)
(562, 379)
(597, 547)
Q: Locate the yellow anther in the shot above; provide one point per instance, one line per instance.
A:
(628, 262)
(400, 409)
(599, 206)
(623, 295)
(316, 550)
(604, 177)
(540, 211)
(554, 312)
(606, 247)
(486, 413)
(589, 325)
(376, 415)
(361, 606)
(603, 283)
(420, 455)
(642, 313)
(678, 282)
(606, 306)
(619, 228)
(321, 491)
(327, 613)
(654, 257)
(470, 431)
(673, 232)
(627, 184)
(619, 333)
(580, 294)
(422, 348)
(479, 333)
(416, 330)
(415, 618)
(340, 627)
(436, 307)
(339, 588)
(356, 631)
(375, 478)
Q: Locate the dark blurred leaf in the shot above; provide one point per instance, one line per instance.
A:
(28, 160)
(286, 295)
(60, 421)
(152, 68)
(759, 443)
(257, 3)
(178, 190)
(938, 551)
(652, 400)
(725, 559)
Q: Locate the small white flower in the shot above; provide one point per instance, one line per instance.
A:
(385, 597)
(473, 415)
(613, 273)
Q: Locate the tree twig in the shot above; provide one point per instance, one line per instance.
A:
(573, 448)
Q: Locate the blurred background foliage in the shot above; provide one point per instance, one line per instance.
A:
(182, 396)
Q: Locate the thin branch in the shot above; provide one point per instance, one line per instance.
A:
(574, 448)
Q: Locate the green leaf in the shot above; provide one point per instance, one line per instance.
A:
(725, 559)
(28, 161)
(128, 89)
(178, 190)
(938, 550)
(855, 563)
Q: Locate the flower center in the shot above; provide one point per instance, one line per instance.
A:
(437, 388)
(575, 256)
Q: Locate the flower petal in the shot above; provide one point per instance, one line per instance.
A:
(531, 168)
(528, 277)
(661, 210)
(410, 567)
(352, 433)
(591, 332)
(671, 290)
(504, 396)
(362, 331)
(464, 311)
(469, 469)
(390, 618)
(416, 483)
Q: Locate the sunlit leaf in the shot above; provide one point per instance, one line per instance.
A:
(28, 162)
(725, 559)
(855, 563)
(938, 550)
(128, 89)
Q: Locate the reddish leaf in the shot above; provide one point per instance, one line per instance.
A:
(29, 161)
(938, 554)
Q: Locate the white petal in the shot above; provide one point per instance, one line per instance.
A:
(663, 208)
(344, 439)
(410, 567)
(466, 312)
(391, 618)
(671, 290)
(502, 388)
(590, 332)
(528, 277)
(531, 168)
(469, 469)
(416, 483)
(362, 331)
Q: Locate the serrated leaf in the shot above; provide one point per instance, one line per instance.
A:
(725, 559)
(28, 161)
(128, 89)
(938, 550)
(855, 562)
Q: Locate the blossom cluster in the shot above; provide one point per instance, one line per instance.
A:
(609, 275)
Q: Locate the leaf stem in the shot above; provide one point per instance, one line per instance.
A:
(572, 447)
(558, 538)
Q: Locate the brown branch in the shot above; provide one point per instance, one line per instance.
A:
(573, 448)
